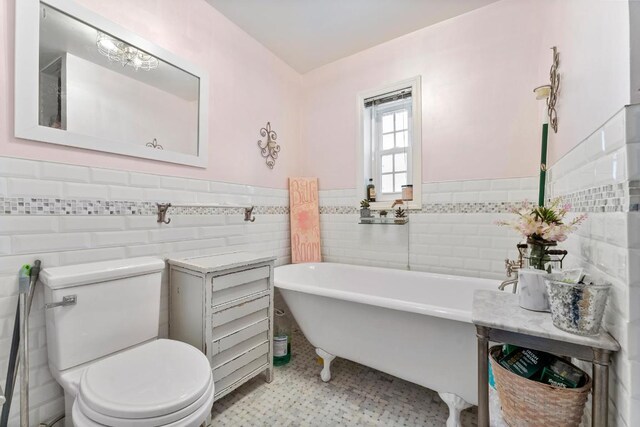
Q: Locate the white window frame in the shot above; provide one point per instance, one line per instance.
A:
(378, 151)
(414, 167)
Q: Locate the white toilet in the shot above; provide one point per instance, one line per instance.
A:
(102, 337)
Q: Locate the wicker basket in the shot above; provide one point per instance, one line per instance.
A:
(530, 403)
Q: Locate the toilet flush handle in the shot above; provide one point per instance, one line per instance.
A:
(66, 301)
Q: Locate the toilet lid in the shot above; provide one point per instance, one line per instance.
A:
(189, 416)
(148, 381)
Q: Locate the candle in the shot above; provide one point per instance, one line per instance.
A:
(407, 192)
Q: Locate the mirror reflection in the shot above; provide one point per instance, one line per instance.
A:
(94, 84)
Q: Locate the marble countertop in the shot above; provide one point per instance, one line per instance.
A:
(500, 310)
(214, 263)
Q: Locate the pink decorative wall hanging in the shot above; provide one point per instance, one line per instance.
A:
(305, 220)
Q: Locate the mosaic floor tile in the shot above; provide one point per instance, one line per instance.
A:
(355, 396)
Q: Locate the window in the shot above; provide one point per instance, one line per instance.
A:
(390, 146)
(390, 141)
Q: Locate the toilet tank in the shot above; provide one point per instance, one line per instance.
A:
(117, 306)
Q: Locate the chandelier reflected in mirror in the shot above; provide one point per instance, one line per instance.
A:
(118, 51)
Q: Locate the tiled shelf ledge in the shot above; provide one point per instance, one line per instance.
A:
(384, 221)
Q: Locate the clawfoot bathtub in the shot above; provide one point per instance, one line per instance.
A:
(415, 326)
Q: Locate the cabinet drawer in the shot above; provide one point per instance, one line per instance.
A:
(229, 328)
(237, 363)
(239, 349)
(230, 294)
(240, 335)
(234, 279)
(236, 377)
(229, 314)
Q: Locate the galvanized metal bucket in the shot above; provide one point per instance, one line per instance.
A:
(577, 308)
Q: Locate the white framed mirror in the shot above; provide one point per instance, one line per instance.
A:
(84, 81)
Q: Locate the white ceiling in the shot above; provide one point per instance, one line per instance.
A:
(307, 34)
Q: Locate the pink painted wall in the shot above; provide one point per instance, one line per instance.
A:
(249, 86)
(480, 118)
(593, 38)
(478, 111)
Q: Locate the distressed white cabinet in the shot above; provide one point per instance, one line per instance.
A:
(223, 305)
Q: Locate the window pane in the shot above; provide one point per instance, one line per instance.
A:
(387, 123)
(401, 120)
(400, 162)
(401, 139)
(387, 163)
(387, 141)
(401, 179)
(387, 183)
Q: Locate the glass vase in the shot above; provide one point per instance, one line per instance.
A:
(538, 254)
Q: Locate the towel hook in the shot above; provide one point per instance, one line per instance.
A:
(248, 214)
(162, 212)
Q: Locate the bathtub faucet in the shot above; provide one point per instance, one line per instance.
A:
(508, 282)
(512, 268)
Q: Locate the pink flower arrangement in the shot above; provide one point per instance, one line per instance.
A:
(543, 223)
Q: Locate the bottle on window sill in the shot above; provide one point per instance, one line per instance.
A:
(371, 191)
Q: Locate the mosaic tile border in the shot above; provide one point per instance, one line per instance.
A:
(623, 197)
(339, 210)
(468, 207)
(55, 206)
(432, 208)
(435, 208)
(634, 196)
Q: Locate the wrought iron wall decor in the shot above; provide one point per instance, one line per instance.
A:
(269, 148)
(554, 79)
(154, 144)
(550, 91)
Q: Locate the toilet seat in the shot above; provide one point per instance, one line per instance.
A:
(194, 420)
(191, 416)
(163, 382)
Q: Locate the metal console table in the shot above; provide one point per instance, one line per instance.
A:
(498, 318)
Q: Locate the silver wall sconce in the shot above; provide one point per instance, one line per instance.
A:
(550, 91)
(269, 148)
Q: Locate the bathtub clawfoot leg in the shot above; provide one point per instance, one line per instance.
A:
(327, 358)
(456, 405)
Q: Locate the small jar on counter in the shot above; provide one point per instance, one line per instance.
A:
(407, 192)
